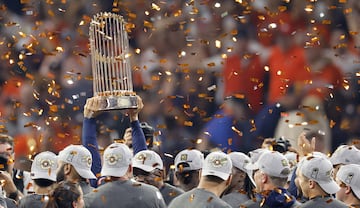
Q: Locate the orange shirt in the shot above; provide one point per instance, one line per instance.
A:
(244, 80)
(286, 69)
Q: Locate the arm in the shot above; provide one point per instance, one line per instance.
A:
(89, 136)
(137, 134)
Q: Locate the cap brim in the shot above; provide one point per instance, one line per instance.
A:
(51, 177)
(85, 173)
(330, 187)
(252, 166)
(144, 167)
(356, 191)
(115, 172)
(221, 175)
(334, 160)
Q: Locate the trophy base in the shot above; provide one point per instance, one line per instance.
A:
(118, 102)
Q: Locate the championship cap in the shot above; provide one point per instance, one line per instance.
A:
(189, 159)
(148, 161)
(350, 175)
(345, 154)
(117, 158)
(320, 170)
(272, 163)
(44, 166)
(217, 164)
(80, 158)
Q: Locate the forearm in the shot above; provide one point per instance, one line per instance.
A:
(138, 137)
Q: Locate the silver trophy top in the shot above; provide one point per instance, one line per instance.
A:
(109, 45)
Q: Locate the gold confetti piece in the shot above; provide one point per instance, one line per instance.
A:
(188, 123)
(61, 10)
(326, 22)
(192, 196)
(237, 131)
(230, 141)
(282, 8)
(212, 64)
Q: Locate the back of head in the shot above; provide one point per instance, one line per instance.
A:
(43, 169)
(80, 158)
(44, 166)
(217, 164)
(148, 160)
(117, 159)
(64, 195)
(188, 160)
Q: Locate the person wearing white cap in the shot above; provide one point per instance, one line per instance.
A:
(188, 164)
(241, 187)
(43, 174)
(215, 178)
(75, 166)
(271, 171)
(314, 177)
(344, 155)
(121, 191)
(149, 168)
(348, 178)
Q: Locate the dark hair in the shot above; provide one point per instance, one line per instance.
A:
(43, 183)
(4, 138)
(186, 177)
(215, 179)
(64, 195)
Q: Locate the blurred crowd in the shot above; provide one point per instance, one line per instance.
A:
(212, 74)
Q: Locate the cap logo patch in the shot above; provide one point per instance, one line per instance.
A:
(183, 157)
(218, 162)
(71, 156)
(349, 178)
(314, 173)
(142, 157)
(112, 159)
(87, 160)
(284, 163)
(46, 164)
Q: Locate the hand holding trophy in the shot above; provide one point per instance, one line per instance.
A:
(112, 80)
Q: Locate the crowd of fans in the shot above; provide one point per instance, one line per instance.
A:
(213, 75)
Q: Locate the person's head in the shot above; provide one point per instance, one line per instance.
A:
(43, 169)
(217, 170)
(344, 155)
(66, 194)
(7, 154)
(117, 161)
(315, 177)
(74, 164)
(188, 164)
(149, 168)
(241, 176)
(271, 171)
(348, 178)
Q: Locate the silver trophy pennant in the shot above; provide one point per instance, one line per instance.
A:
(109, 45)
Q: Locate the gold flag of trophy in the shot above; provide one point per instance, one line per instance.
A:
(112, 78)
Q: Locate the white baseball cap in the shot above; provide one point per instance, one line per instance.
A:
(240, 160)
(117, 158)
(345, 154)
(44, 166)
(350, 175)
(217, 164)
(320, 170)
(272, 163)
(80, 158)
(255, 154)
(189, 159)
(148, 161)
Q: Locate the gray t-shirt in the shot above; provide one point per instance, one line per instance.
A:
(33, 201)
(169, 192)
(127, 194)
(235, 198)
(198, 198)
(324, 202)
(85, 187)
